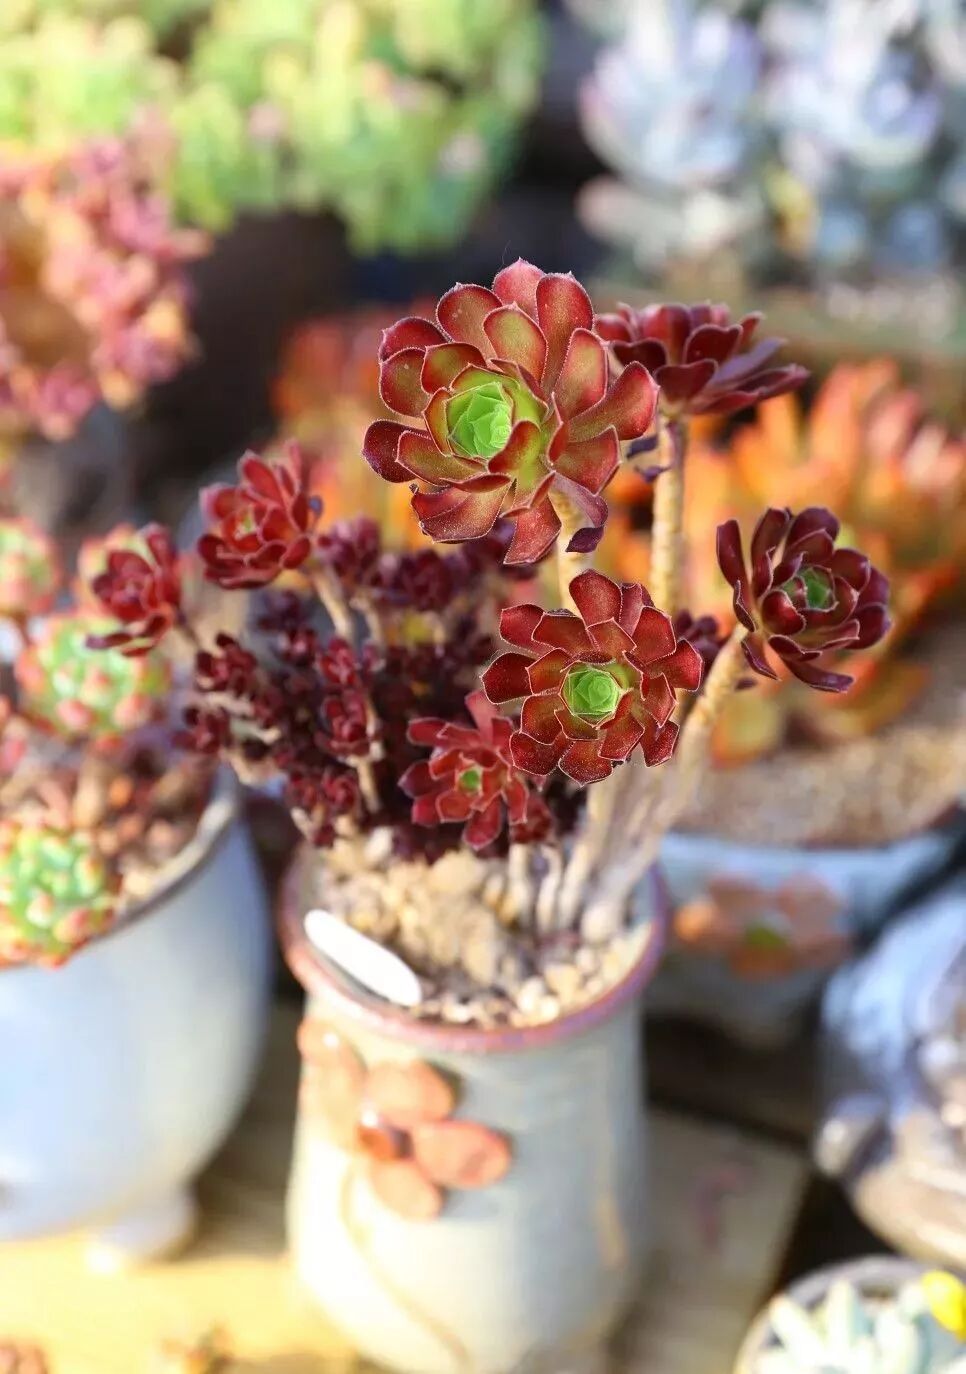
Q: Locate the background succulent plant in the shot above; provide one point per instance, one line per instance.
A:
(852, 1333)
(848, 114)
(397, 117)
(671, 107)
(56, 892)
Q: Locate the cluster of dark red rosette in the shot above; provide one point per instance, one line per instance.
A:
(519, 404)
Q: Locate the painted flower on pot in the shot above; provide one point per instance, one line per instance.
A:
(30, 572)
(398, 1120)
(139, 586)
(595, 686)
(704, 363)
(261, 527)
(81, 691)
(765, 932)
(521, 417)
(803, 597)
(57, 891)
(470, 777)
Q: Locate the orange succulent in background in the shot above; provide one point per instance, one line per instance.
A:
(898, 480)
(326, 396)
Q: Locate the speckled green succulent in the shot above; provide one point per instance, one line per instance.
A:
(56, 893)
(29, 569)
(86, 693)
(397, 117)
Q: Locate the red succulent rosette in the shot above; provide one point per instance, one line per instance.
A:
(263, 526)
(142, 590)
(470, 777)
(802, 597)
(521, 414)
(595, 686)
(398, 1120)
(703, 363)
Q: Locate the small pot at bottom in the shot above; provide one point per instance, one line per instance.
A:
(516, 1277)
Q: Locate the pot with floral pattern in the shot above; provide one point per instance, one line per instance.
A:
(466, 1200)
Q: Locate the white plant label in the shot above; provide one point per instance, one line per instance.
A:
(376, 968)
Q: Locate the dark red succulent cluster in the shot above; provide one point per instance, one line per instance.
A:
(595, 686)
(704, 363)
(520, 415)
(470, 779)
(261, 527)
(801, 595)
(142, 591)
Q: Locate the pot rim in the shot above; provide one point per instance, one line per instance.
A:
(878, 1273)
(378, 1015)
(216, 820)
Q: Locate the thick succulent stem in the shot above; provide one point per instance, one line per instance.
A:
(569, 564)
(667, 530)
(329, 591)
(660, 807)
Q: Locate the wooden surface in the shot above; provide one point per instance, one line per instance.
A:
(726, 1205)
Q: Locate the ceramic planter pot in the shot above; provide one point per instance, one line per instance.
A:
(524, 1271)
(893, 1128)
(122, 1071)
(879, 1276)
(749, 985)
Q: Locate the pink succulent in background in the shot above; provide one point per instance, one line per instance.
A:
(802, 597)
(704, 363)
(30, 569)
(262, 527)
(520, 415)
(93, 297)
(595, 686)
(142, 590)
(470, 777)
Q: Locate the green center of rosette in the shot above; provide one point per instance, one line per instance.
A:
(480, 420)
(592, 693)
(471, 780)
(819, 592)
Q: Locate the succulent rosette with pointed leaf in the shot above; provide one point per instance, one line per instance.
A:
(595, 686)
(521, 416)
(56, 892)
(470, 777)
(261, 527)
(141, 587)
(801, 595)
(83, 692)
(30, 571)
(704, 362)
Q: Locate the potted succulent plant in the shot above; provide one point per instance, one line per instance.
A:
(823, 809)
(130, 907)
(475, 916)
(866, 1317)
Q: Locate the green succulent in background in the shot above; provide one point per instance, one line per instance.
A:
(68, 78)
(56, 892)
(161, 15)
(396, 115)
(85, 693)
